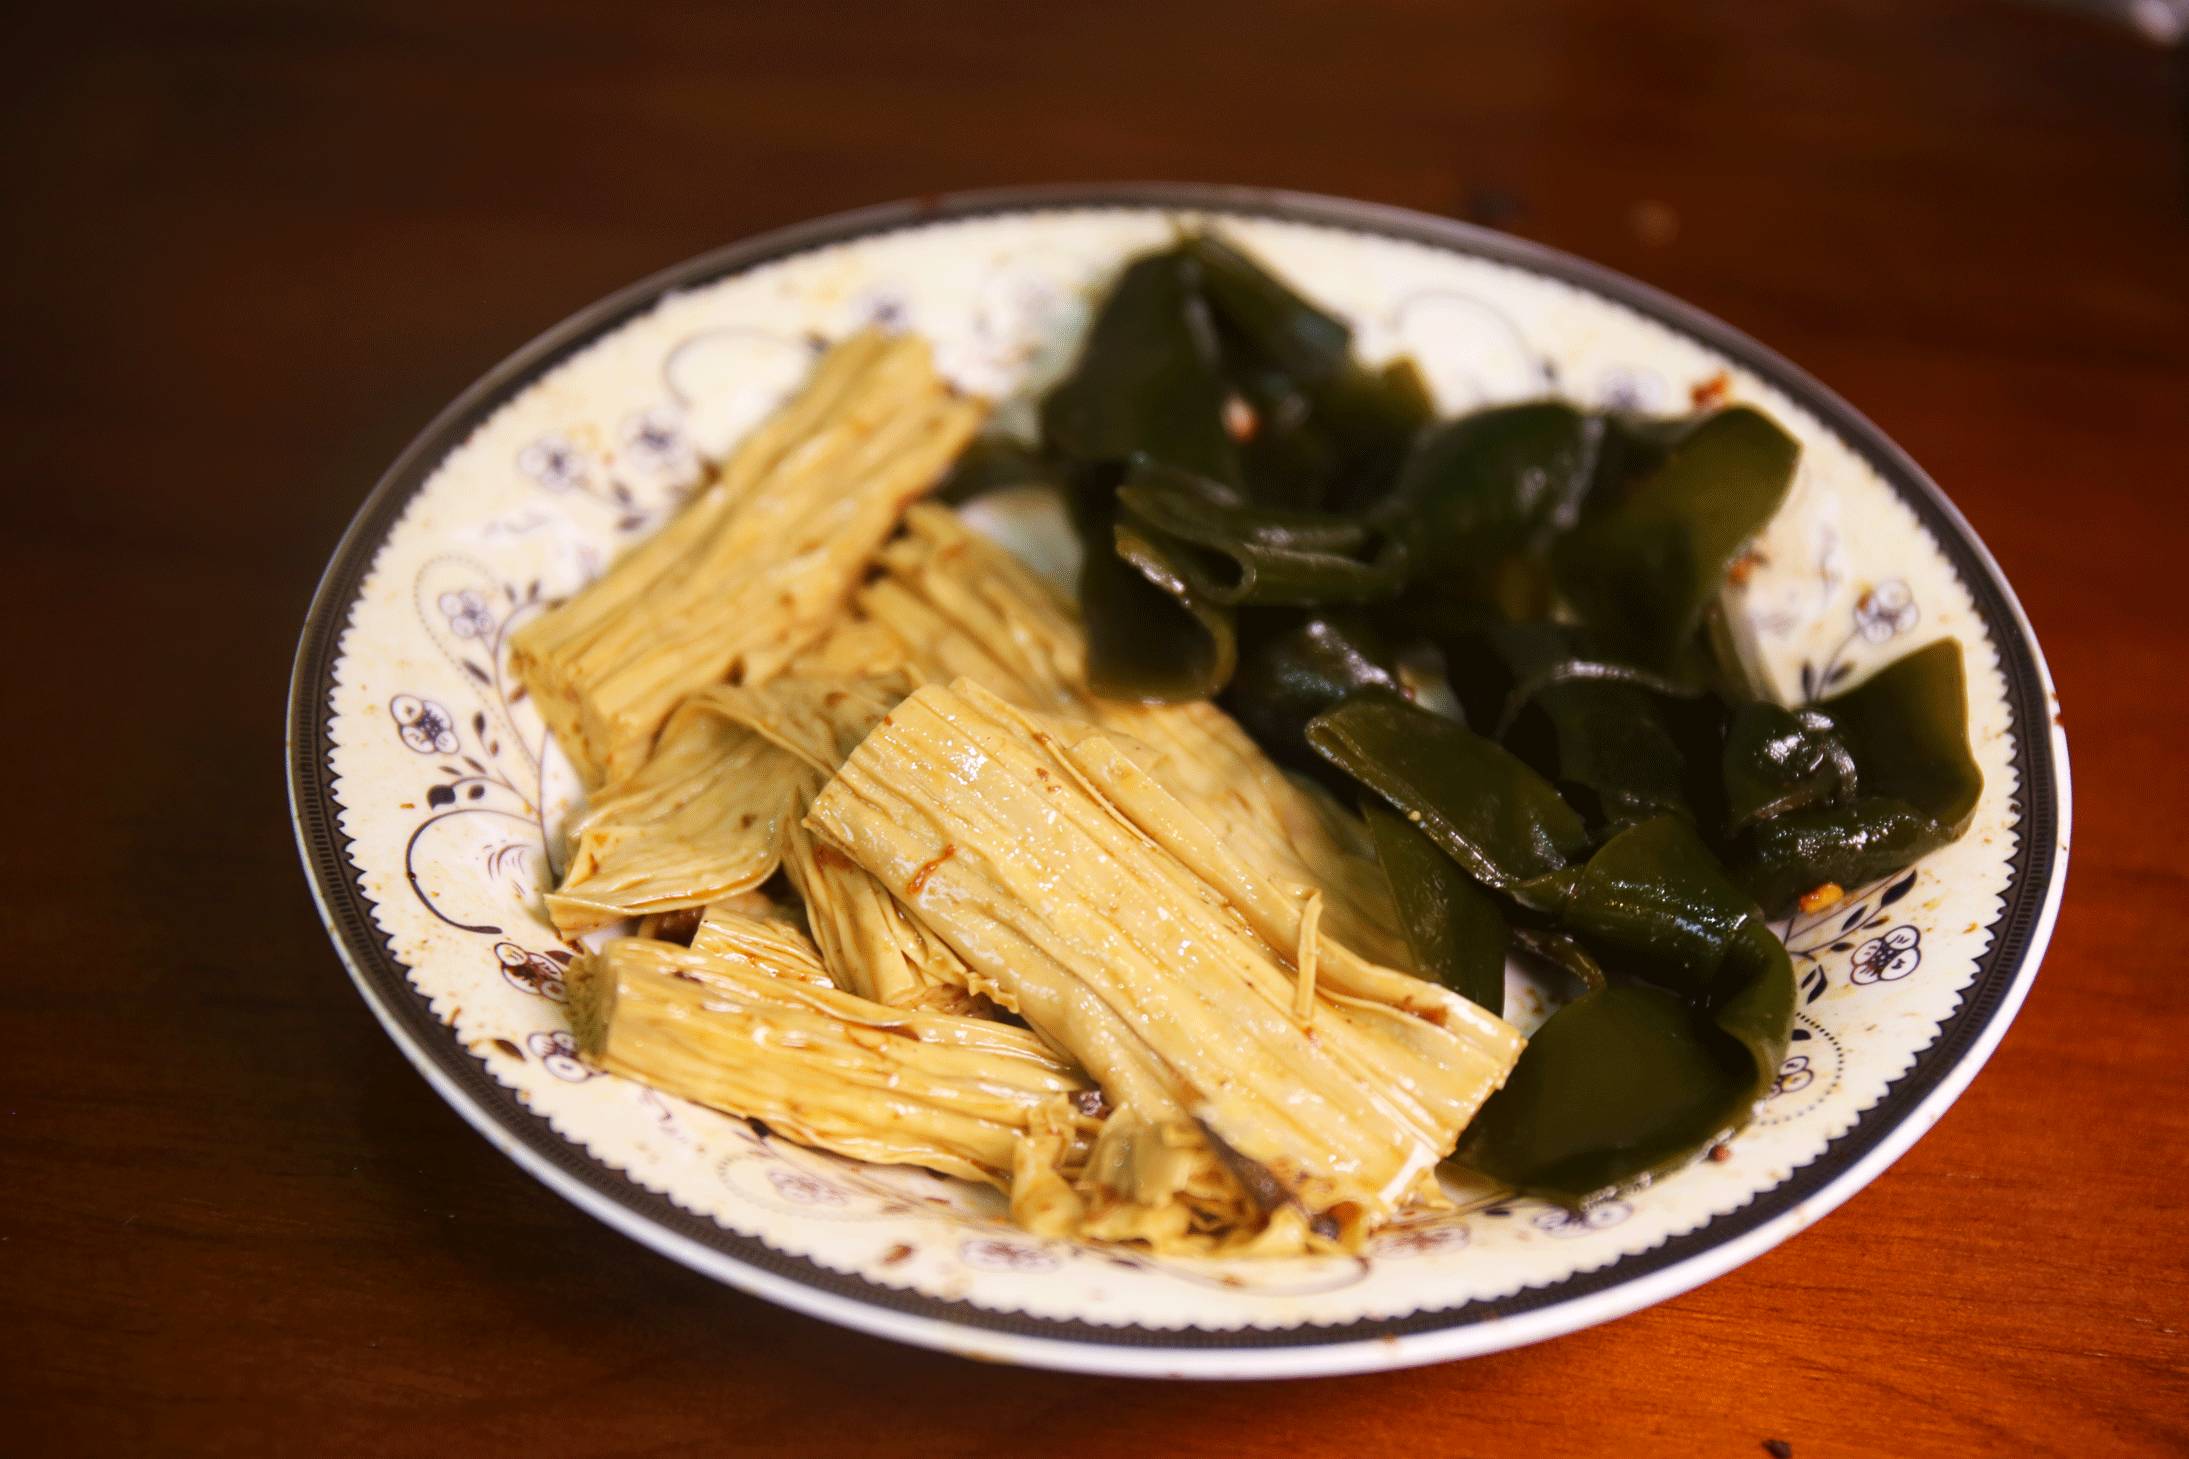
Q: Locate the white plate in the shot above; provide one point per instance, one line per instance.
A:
(423, 797)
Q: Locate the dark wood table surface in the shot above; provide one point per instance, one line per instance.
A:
(251, 247)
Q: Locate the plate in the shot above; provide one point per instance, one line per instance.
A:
(425, 799)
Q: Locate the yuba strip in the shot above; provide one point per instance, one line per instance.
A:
(869, 942)
(823, 1067)
(768, 944)
(986, 821)
(702, 820)
(758, 568)
(962, 606)
(707, 815)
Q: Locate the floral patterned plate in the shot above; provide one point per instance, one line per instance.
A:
(428, 803)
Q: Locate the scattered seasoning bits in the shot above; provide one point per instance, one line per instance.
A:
(1711, 393)
(1744, 567)
(1720, 1153)
(896, 1254)
(913, 887)
(1778, 1449)
(1240, 421)
(1816, 899)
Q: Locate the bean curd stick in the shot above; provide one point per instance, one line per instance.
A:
(701, 820)
(964, 607)
(1126, 957)
(865, 934)
(758, 568)
(707, 815)
(822, 1067)
(769, 945)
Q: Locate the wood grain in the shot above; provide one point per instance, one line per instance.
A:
(252, 247)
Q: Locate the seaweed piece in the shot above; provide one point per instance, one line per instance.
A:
(1642, 567)
(1452, 926)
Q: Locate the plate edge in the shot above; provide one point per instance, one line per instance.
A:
(1205, 1352)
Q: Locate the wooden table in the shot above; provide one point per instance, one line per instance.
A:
(251, 248)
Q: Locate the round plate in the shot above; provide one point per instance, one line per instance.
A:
(424, 796)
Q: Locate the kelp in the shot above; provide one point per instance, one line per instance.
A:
(1620, 744)
(1320, 429)
(1648, 558)
(1873, 778)
(1152, 636)
(1209, 415)
(1453, 927)
(1147, 381)
(1675, 1051)
(1147, 385)
(1294, 666)
(1241, 555)
(1777, 760)
(1480, 803)
(1696, 1007)
(1481, 498)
